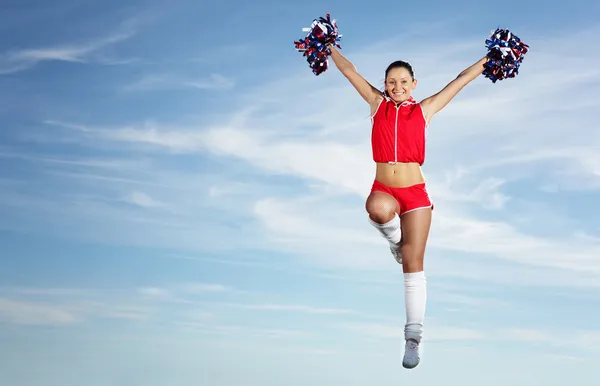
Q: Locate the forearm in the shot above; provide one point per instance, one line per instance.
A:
(343, 64)
(437, 102)
(473, 71)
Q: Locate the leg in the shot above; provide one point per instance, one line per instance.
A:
(383, 211)
(415, 230)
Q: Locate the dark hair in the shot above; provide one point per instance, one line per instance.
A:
(400, 64)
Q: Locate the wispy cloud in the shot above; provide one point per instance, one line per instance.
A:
(233, 210)
(117, 309)
(182, 293)
(167, 81)
(460, 299)
(19, 60)
(580, 339)
(242, 330)
(155, 292)
(496, 238)
(198, 288)
(177, 139)
(33, 313)
(66, 306)
(142, 199)
(43, 292)
(469, 177)
(434, 333)
(297, 308)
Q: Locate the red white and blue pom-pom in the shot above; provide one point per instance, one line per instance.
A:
(315, 45)
(505, 55)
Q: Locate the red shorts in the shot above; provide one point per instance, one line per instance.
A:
(409, 198)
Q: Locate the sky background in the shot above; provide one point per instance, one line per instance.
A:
(182, 200)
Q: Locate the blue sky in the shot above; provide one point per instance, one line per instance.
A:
(182, 200)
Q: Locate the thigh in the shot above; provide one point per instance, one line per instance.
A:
(415, 232)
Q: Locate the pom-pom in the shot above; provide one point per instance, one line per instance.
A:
(322, 33)
(505, 54)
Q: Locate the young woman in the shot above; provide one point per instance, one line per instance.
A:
(399, 130)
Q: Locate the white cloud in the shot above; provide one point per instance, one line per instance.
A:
(116, 309)
(154, 292)
(342, 237)
(433, 332)
(32, 313)
(243, 330)
(169, 81)
(462, 298)
(18, 60)
(187, 293)
(529, 335)
(198, 288)
(227, 188)
(142, 199)
(66, 306)
(486, 194)
(488, 225)
(338, 235)
(494, 238)
(476, 158)
(75, 292)
(297, 308)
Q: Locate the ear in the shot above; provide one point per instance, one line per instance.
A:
(415, 83)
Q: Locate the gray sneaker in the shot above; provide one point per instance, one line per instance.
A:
(411, 355)
(396, 252)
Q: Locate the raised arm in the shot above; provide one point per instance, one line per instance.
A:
(369, 93)
(438, 101)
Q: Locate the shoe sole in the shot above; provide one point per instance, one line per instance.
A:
(406, 366)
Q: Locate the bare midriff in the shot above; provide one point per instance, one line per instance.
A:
(399, 175)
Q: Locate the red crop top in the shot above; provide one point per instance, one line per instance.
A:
(398, 132)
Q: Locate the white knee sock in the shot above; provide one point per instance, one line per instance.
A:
(390, 230)
(415, 295)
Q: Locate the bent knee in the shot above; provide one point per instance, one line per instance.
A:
(381, 207)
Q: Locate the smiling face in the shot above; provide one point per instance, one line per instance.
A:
(399, 81)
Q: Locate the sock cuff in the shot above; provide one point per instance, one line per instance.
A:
(387, 224)
(414, 276)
